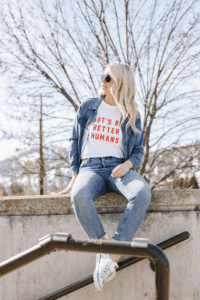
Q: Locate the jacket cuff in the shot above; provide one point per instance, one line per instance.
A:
(135, 161)
(74, 169)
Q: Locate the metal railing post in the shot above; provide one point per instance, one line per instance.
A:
(63, 241)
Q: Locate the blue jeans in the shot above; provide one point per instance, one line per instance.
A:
(94, 178)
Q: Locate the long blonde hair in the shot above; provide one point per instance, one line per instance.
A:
(125, 84)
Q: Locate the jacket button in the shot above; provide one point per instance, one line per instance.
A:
(125, 144)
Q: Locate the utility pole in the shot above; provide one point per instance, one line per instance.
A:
(41, 152)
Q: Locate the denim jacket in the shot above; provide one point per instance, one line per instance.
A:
(133, 143)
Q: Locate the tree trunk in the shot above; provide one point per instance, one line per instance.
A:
(41, 152)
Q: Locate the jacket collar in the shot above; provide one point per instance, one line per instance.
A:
(96, 102)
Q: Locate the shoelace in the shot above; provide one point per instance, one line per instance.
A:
(104, 256)
(105, 269)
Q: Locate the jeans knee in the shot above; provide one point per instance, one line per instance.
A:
(75, 198)
(79, 199)
(147, 196)
(144, 196)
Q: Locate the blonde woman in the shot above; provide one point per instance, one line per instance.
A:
(106, 150)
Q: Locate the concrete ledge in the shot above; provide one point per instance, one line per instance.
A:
(165, 200)
(24, 220)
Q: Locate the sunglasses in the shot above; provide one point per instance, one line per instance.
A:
(107, 77)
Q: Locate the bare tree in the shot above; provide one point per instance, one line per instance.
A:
(35, 163)
(174, 163)
(61, 48)
(41, 152)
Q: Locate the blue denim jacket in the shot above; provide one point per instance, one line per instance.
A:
(133, 143)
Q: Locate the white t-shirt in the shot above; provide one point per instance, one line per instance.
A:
(105, 135)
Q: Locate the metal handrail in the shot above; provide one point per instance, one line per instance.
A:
(122, 264)
(64, 241)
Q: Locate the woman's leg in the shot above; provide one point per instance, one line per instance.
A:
(87, 186)
(134, 187)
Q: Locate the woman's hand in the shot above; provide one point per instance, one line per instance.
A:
(70, 185)
(122, 169)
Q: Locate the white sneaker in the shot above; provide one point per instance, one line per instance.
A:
(105, 270)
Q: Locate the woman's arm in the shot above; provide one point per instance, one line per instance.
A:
(73, 145)
(135, 159)
(138, 149)
(73, 154)
(70, 185)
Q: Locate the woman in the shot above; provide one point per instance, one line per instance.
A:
(106, 146)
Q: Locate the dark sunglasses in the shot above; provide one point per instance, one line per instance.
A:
(107, 77)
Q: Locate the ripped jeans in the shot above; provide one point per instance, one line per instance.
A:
(90, 183)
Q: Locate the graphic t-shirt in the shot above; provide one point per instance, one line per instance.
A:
(105, 135)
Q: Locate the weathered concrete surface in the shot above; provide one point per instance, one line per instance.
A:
(110, 202)
(23, 220)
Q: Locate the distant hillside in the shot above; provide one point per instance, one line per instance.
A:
(20, 174)
(174, 159)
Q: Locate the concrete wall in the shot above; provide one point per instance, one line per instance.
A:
(23, 220)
